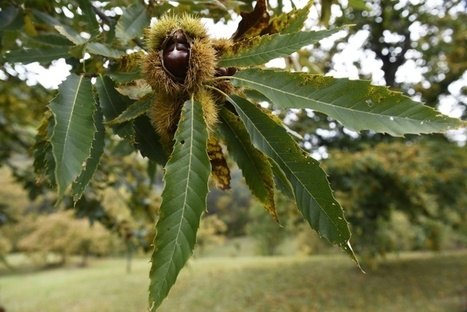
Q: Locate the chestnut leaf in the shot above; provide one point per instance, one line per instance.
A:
(259, 50)
(311, 189)
(356, 104)
(183, 202)
(73, 134)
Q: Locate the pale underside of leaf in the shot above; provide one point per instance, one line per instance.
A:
(104, 50)
(355, 103)
(183, 202)
(311, 188)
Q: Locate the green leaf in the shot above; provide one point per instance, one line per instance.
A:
(325, 12)
(70, 34)
(133, 111)
(147, 141)
(260, 50)
(132, 22)
(290, 22)
(123, 77)
(183, 202)
(74, 130)
(311, 188)
(282, 184)
(355, 103)
(104, 50)
(41, 55)
(97, 149)
(51, 39)
(11, 18)
(113, 104)
(45, 18)
(44, 163)
(89, 16)
(255, 165)
(359, 5)
(136, 89)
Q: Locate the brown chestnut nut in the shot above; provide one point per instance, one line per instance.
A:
(225, 71)
(176, 56)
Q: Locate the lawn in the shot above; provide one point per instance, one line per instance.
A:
(409, 282)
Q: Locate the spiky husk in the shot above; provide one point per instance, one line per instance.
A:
(171, 94)
(156, 76)
(202, 64)
(165, 114)
(221, 45)
(210, 108)
(202, 56)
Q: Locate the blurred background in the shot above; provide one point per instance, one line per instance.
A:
(405, 198)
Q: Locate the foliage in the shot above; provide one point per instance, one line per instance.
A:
(62, 234)
(103, 102)
(416, 184)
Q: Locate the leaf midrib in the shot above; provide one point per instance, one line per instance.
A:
(336, 107)
(279, 48)
(174, 242)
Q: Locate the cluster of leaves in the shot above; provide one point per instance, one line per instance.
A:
(71, 140)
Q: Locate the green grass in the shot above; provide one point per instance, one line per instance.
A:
(411, 282)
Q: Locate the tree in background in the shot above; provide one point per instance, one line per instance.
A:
(393, 184)
(95, 124)
(416, 47)
(63, 235)
(412, 46)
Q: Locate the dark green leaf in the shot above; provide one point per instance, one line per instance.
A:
(113, 104)
(255, 165)
(355, 103)
(133, 111)
(74, 130)
(89, 16)
(290, 22)
(41, 55)
(97, 149)
(11, 18)
(45, 18)
(104, 50)
(183, 202)
(132, 22)
(51, 39)
(147, 141)
(311, 188)
(123, 77)
(44, 163)
(260, 50)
